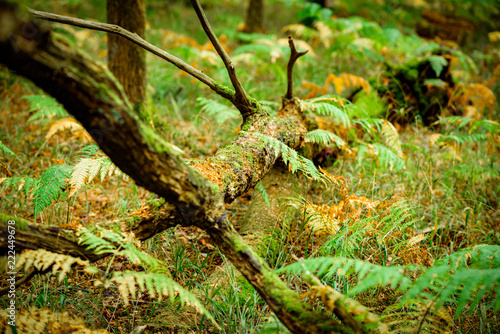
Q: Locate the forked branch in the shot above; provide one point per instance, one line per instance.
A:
(134, 38)
(294, 55)
(244, 105)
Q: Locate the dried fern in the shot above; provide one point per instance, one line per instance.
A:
(42, 260)
(157, 281)
(68, 124)
(35, 320)
(391, 138)
(88, 168)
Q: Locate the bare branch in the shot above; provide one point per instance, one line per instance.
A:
(245, 106)
(134, 38)
(294, 55)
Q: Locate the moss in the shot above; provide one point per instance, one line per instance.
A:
(224, 90)
(155, 203)
(214, 188)
(20, 223)
(247, 126)
(155, 142)
(289, 299)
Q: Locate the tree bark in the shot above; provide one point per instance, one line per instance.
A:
(254, 17)
(126, 60)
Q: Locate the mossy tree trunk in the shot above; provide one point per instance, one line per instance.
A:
(126, 60)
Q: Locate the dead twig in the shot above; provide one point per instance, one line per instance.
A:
(244, 105)
(134, 38)
(294, 55)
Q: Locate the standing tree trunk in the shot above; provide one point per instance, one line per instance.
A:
(126, 60)
(255, 17)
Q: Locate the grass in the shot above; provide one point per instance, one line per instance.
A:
(453, 191)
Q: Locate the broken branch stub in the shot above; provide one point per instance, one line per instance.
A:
(294, 55)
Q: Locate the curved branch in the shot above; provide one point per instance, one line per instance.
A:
(294, 55)
(134, 38)
(244, 105)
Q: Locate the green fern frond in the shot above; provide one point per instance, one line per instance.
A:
(369, 275)
(88, 151)
(462, 139)
(437, 63)
(371, 125)
(385, 157)
(396, 221)
(324, 137)
(114, 243)
(26, 183)
(262, 191)
(50, 186)
(219, 112)
(99, 245)
(290, 157)
(328, 109)
(5, 151)
(45, 107)
(478, 257)
(459, 121)
(453, 279)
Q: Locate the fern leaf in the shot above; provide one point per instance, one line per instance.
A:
(387, 158)
(291, 158)
(328, 109)
(63, 124)
(437, 64)
(99, 245)
(370, 275)
(5, 151)
(26, 183)
(42, 260)
(324, 137)
(218, 111)
(87, 169)
(35, 320)
(157, 284)
(391, 137)
(88, 151)
(45, 107)
(262, 191)
(50, 186)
